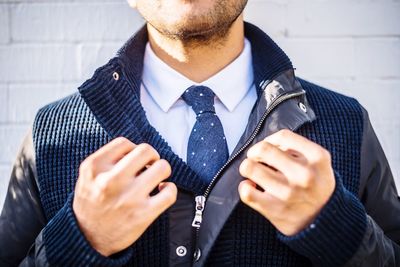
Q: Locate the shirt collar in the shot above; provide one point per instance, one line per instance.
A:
(166, 85)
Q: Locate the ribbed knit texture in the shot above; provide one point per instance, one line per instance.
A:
(67, 131)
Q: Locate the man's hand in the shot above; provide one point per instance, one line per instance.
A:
(112, 202)
(295, 177)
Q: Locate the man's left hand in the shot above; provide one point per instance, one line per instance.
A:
(295, 180)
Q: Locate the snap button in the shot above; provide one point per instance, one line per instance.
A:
(197, 254)
(116, 76)
(302, 107)
(181, 251)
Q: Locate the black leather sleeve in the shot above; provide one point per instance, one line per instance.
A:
(22, 217)
(22, 224)
(380, 245)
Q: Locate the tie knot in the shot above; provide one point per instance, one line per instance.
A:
(200, 98)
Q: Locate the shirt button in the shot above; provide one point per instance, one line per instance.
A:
(197, 254)
(181, 251)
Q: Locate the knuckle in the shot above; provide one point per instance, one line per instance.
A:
(165, 167)
(322, 155)
(148, 150)
(100, 194)
(288, 195)
(280, 210)
(136, 215)
(245, 168)
(122, 204)
(280, 135)
(327, 155)
(245, 194)
(145, 146)
(172, 195)
(284, 133)
(308, 177)
(88, 166)
(83, 167)
(266, 147)
(123, 141)
(115, 174)
(103, 184)
(168, 195)
(259, 149)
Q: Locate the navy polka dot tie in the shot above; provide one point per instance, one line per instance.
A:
(207, 147)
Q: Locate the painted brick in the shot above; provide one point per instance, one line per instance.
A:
(4, 24)
(45, 62)
(343, 18)
(26, 99)
(378, 57)
(93, 56)
(314, 57)
(73, 21)
(270, 16)
(10, 140)
(4, 108)
(5, 172)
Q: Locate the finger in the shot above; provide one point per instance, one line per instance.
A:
(131, 164)
(164, 199)
(104, 158)
(262, 175)
(251, 196)
(286, 139)
(271, 155)
(263, 202)
(297, 156)
(114, 150)
(153, 176)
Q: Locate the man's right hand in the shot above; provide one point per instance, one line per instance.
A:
(112, 201)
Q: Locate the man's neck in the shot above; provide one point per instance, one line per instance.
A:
(199, 61)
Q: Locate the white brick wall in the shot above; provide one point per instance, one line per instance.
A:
(48, 48)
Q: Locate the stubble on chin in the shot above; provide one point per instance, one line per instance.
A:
(207, 29)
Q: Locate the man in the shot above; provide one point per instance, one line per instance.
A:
(196, 145)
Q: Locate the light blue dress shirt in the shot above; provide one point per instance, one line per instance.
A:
(161, 91)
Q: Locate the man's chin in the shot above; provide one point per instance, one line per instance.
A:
(193, 33)
(191, 29)
(197, 20)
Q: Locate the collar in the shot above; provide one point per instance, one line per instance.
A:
(166, 85)
(268, 58)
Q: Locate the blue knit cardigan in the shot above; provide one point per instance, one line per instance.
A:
(67, 131)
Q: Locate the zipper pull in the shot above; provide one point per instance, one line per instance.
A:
(198, 216)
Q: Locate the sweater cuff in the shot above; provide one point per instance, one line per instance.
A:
(335, 234)
(66, 245)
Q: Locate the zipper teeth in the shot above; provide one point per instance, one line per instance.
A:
(266, 113)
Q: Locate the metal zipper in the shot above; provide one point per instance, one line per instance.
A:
(201, 200)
